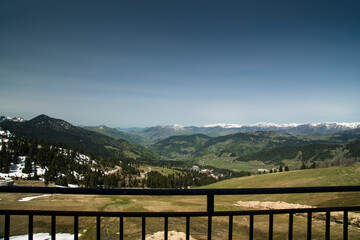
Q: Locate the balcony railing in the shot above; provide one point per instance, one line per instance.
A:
(209, 213)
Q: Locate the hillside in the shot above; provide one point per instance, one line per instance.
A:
(261, 149)
(117, 134)
(333, 176)
(183, 147)
(57, 130)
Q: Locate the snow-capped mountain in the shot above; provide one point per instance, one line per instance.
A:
(273, 125)
(9, 119)
(223, 125)
(292, 128)
(176, 127)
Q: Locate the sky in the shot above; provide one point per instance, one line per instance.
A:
(146, 63)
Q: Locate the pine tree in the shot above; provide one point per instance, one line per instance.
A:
(313, 165)
(28, 165)
(303, 166)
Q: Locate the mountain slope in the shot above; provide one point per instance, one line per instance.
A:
(215, 130)
(57, 130)
(333, 176)
(115, 133)
(245, 151)
(183, 147)
(234, 145)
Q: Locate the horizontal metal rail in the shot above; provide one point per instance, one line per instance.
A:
(158, 192)
(175, 214)
(209, 213)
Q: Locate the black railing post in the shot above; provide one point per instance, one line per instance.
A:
(210, 211)
(53, 227)
(291, 223)
(166, 222)
(31, 227)
(209, 227)
(271, 225)
(121, 228)
(143, 228)
(7, 227)
(309, 223)
(251, 227)
(345, 237)
(231, 219)
(187, 228)
(98, 227)
(210, 204)
(327, 226)
(76, 227)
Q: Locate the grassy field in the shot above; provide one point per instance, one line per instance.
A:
(228, 163)
(334, 176)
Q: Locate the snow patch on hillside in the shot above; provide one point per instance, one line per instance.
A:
(16, 170)
(26, 199)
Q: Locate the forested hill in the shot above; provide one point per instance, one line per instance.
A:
(114, 133)
(234, 144)
(263, 146)
(57, 130)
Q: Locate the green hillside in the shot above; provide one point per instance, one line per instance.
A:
(184, 147)
(259, 150)
(333, 176)
(233, 145)
(114, 133)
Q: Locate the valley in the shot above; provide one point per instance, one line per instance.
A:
(229, 147)
(248, 148)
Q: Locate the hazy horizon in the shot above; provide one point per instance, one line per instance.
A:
(191, 125)
(146, 63)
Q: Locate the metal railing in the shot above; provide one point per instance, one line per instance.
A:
(209, 213)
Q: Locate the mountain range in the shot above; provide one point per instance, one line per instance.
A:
(220, 145)
(215, 130)
(149, 134)
(248, 146)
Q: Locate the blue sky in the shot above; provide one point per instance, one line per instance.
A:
(145, 63)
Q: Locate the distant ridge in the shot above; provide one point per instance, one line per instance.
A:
(222, 129)
(289, 125)
(292, 128)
